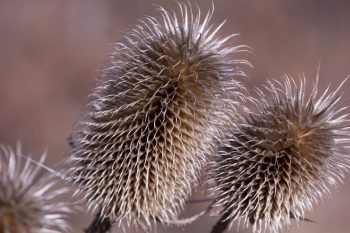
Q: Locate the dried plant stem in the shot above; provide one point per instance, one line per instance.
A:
(99, 225)
(223, 224)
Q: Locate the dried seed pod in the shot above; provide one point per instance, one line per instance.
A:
(147, 133)
(28, 197)
(281, 157)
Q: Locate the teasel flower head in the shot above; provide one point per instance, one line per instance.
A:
(281, 157)
(147, 133)
(29, 197)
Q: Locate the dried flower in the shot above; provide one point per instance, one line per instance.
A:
(140, 147)
(27, 197)
(282, 157)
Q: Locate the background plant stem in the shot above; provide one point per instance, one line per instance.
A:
(222, 224)
(99, 225)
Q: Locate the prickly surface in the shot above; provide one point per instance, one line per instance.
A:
(28, 197)
(148, 131)
(282, 157)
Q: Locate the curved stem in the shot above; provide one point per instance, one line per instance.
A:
(99, 225)
(222, 224)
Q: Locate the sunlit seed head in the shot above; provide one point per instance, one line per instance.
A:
(282, 156)
(140, 147)
(28, 197)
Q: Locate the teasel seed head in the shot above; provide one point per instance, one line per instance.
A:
(282, 156)
(148, 131)
(29, 197)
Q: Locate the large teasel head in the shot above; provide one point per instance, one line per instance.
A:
(281, 157)
(147, 133)
(29, 198)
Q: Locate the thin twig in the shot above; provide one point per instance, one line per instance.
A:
(222, 224)
(99, 225)
(200, 200)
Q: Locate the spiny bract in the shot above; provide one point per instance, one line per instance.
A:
(147, 133)
(28, 197)
(281, 157)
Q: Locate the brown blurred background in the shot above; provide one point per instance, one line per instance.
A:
(50, 52)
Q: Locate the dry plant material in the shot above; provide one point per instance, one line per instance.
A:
(140, 147)
(281, 157)
(28, 197)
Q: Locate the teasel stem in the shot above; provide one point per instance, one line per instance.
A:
(223, 223)
(99, 225)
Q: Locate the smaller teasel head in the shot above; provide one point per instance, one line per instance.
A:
(282, 156)
(28, 197)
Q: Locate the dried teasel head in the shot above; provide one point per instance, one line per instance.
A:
(148, 131)
(281, 157)
(28, 197)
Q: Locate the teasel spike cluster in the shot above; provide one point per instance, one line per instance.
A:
(148, 132)
(281, 157)
(29, 197)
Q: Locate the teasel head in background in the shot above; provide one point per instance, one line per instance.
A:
(29, 198)
(140, 147)
(281, 157)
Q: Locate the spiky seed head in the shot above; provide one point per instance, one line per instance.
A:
(281, 157)
(147, 133)
(28, 197)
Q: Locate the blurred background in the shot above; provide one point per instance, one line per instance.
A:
(50, 52)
